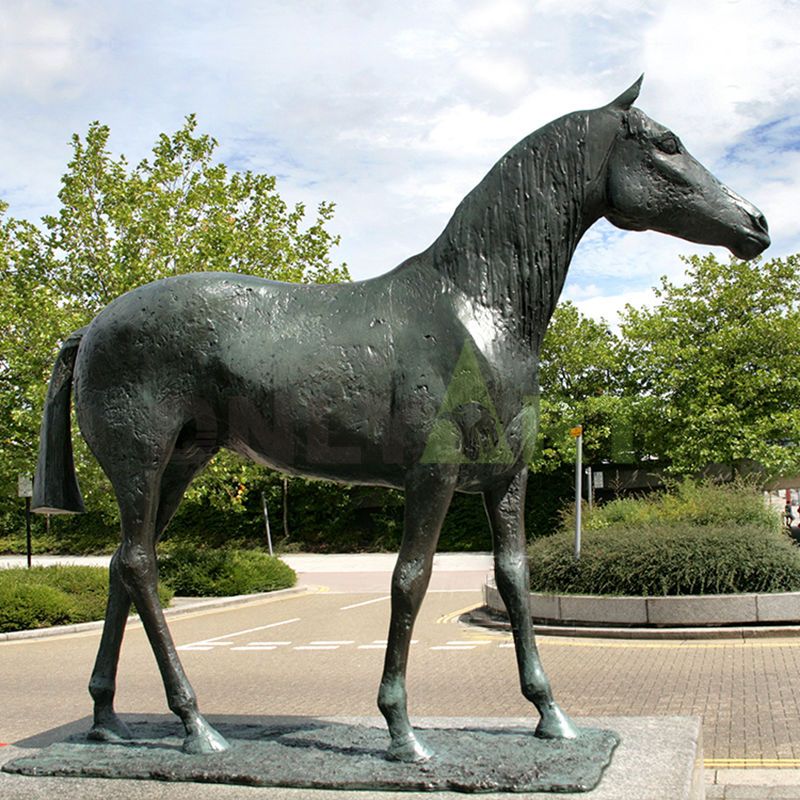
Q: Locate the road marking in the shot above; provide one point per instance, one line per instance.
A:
(454, 615)
(470, 642)
(256, 647)
(316, 647)
(210, 642)
(365, 603)
(334, 642)
(268, 644)
(372, 647)
(750, 763)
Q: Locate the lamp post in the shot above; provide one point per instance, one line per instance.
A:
(577, 432)
(25, 489)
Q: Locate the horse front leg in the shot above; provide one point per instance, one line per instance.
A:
(428, 492)
(505, 507)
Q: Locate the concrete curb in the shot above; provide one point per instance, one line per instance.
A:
(684, 617)
(187, 606)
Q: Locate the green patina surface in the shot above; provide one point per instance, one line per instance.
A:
(339, 756)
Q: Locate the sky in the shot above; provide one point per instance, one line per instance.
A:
(395, 110)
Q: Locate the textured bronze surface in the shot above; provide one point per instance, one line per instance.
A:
(340, 756)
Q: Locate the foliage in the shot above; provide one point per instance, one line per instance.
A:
(682, 559)
(580, 381)
(716, 365)
(694, 539)
(687, 502)
(202, 572)
(118, 227)
(45, 596)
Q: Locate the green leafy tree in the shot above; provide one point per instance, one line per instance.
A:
(119, 227)
(580, 383)
(715, 364)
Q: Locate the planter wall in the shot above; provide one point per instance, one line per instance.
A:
(684, 610)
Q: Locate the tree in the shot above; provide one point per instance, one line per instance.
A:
(119, 227)
(579, 376)
(716, 365)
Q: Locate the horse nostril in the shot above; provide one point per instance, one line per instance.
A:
(760, 222)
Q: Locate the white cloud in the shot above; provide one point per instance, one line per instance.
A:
(395, 111)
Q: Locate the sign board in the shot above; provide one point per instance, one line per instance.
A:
(597, 480)
(576, 431)
(24, 486)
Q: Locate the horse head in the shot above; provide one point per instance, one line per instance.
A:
(653, 183)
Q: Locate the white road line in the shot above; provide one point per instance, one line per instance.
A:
(365, 603)
(334, 642)
(194, 647)
(507, 644)
(468, 642)
(268, 644)
(256, 647)
(453, 647)
(372, 647)
(239, 633)
(317, 647)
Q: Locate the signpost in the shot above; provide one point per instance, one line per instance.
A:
(25, 489)
(577, 432)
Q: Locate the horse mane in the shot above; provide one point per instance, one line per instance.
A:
(510, 241)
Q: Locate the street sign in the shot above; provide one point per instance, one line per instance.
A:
(597, 480)
(576, 431)
(24, 486)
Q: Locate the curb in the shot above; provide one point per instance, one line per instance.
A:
(187, 607)
(599, 619)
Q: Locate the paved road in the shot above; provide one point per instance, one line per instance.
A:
(320, 653)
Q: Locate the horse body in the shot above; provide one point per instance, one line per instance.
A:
(423, 379)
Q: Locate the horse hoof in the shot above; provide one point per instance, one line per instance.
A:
(555, 724)
(112, 729)
(410, 750)
(209, 741)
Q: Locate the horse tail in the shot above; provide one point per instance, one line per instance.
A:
(55, 487)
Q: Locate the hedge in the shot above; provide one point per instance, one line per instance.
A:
(59, 595)
(696, 539)
(196, 572)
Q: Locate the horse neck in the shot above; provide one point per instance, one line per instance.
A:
(509, 244)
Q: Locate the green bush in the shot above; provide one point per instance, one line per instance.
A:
(682, 560)
(59, 595)
(694, 539)
(198, 572)
(686, 503)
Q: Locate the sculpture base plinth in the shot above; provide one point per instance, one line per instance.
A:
(656, 759)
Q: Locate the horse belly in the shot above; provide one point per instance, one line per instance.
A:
(320, 417)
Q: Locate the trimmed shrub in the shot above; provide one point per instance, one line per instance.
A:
(59, 595)
(197, 572)
(696, 539)
(683, 560)
(686, 503)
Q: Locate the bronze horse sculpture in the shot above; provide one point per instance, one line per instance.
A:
(354, 382)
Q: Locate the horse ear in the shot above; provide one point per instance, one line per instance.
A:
(628, 97)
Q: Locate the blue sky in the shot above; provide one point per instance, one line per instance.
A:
(395, 110)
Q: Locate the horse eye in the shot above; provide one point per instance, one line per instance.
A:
(668, 144)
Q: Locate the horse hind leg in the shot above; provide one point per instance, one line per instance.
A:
(102, 686)
(108, 727)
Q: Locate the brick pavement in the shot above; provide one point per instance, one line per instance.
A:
(746, 691)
